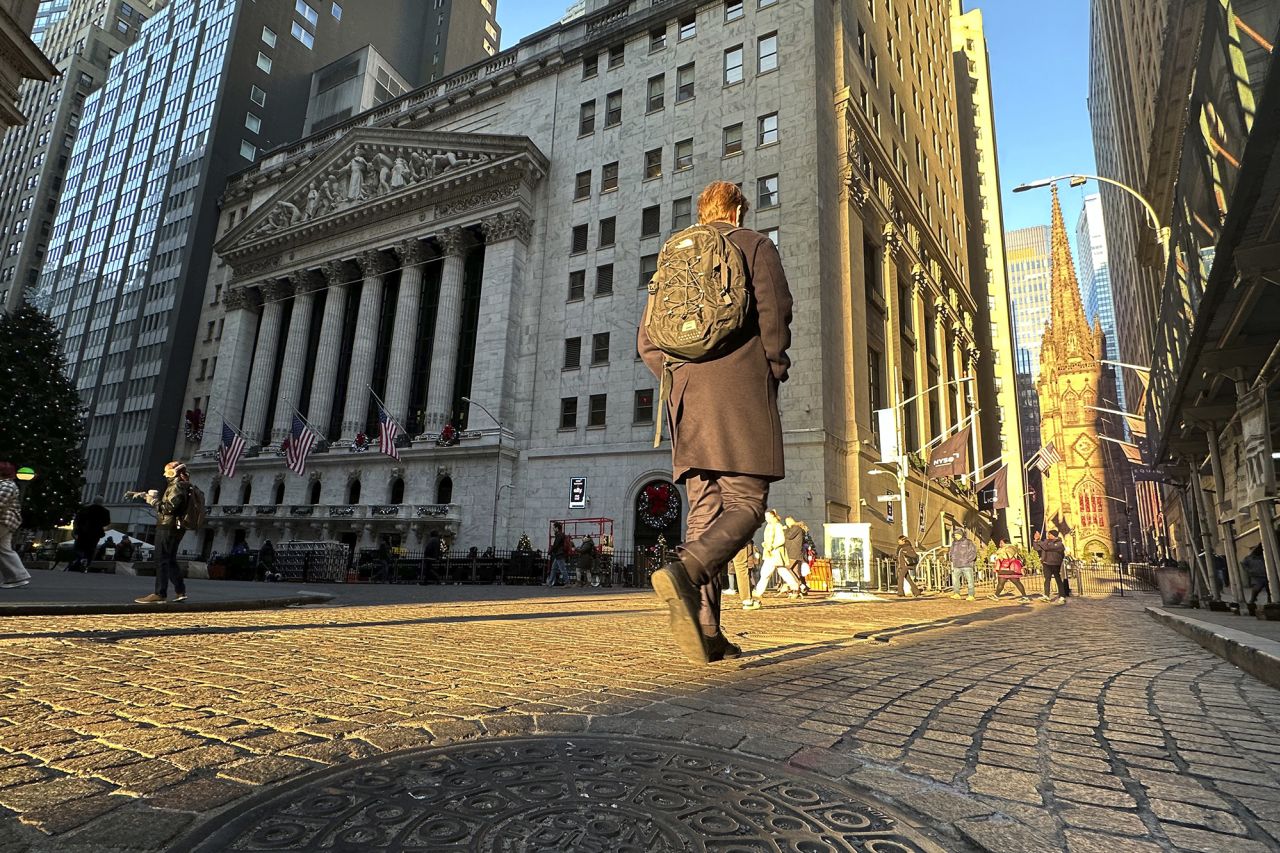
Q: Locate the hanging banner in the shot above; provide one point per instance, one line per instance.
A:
(1255, 428)
(951, 457)
(993, 492)
(888, 425)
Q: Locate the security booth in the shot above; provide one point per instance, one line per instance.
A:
(848, 547)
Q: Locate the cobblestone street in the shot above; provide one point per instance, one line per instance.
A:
(1086, 727)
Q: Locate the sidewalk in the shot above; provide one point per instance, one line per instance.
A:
(74, 594)
(1249, 643)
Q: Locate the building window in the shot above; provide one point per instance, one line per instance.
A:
(733, 9)
(733, 65)
(651, 221)
(657, 92)
(582, 186)
(648, 266)
(617, 55)
(572, 353)
(305, 10)
(302, 35)
(596, 410)
(609, 177)
(684, 83)
(875, 387)
(764, 3)
(268, 37)
(590, 66)
(767, 129)
(613, 109)
(579, 239)
(681, 214)
(258, 96)
(767, 192)
(600, 348)
(608, 227)
(643, 411)
(604, 279)
(653, 163)
(568, 413)
(688, 27)
(587, 118)
(577, 285)
(684, 154)
(732, 140)
(772, 234)
(247, 150)
(657, 40)
(767, 53)
(252, 123)
(264, 62)
(336, 11)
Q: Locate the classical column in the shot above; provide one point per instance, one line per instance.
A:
(295, 353)
(939, 332)
(405, 331)
(258, 403)
(920, 291)
(234, 356)
(493, 378)
(444, 345)
(324, 380)
(374, 266)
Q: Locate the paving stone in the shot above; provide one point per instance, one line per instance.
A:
(134, 826)
(267, 769)
(1079, 841)
(1002, 836)
(1202, 841)
(199, 795)
(59, 818)
(1094, 795)
(1015, 785)
(1104, 819)
(1211, 819)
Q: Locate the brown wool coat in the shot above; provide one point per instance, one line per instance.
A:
(723, 413)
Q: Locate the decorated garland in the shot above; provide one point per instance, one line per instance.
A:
(659, 505)
(194, 425)
(360, 444)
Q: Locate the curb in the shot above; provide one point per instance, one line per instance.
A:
(170, 607)
(1255, 655)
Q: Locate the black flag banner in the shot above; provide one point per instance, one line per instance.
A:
(993, 492)
(951, 457)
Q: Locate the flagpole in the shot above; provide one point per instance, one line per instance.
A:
(234, 429)
(302, 417)
(384, 408)
(950, 431)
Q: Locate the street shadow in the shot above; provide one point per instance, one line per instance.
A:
(212, 630)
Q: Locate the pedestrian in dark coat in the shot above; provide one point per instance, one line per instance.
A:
(1053, 553)
(906, 558)
(726, 432)
(90, 523)
(793, 538)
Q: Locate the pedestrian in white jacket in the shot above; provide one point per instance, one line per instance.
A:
(775, 556)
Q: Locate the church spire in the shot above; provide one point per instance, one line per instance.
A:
(1067, 308)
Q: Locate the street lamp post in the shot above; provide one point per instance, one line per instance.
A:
(497, 472)
(1162, 232)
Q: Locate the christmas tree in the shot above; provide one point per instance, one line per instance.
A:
(41, 426)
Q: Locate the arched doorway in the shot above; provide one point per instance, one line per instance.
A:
(658, 511)
(444, 490)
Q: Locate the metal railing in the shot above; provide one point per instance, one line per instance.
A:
(1092, 579)
(620, 567)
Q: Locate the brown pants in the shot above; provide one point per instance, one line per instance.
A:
(725, 510)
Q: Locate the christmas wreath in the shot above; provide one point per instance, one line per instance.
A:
(659, 505)
(194, 425)
(360, 444)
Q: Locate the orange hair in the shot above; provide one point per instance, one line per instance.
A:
(720, 201)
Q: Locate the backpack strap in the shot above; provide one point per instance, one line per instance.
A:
(664, 393)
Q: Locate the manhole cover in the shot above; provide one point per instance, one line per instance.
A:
(571, 794)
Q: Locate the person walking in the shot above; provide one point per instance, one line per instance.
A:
(586, 560)
(775, 556)
(1009, 568)
(905, 559)
(431, 553)
(963, 554)
(12, 573)
(793, 537)
(726, 429)
(174, 507)
(743, 562)
(1052, 555)
(559, 556)
(87, 528)
(1255, 569)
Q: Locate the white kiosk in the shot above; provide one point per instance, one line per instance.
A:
(849, 548)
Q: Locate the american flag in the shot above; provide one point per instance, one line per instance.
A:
(388, 432)
(230, 451)
(1047, 457)
(297, 445)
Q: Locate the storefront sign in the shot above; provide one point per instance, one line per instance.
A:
(1259, 475)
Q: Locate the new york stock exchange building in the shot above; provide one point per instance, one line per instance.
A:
(475, 253)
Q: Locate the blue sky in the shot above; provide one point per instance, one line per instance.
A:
(1040, 79)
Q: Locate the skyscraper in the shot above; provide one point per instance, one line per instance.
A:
(1030, 283)
(998, 394)
(1095, 283)
(81, 37)
(209, 86)
(20, 58)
